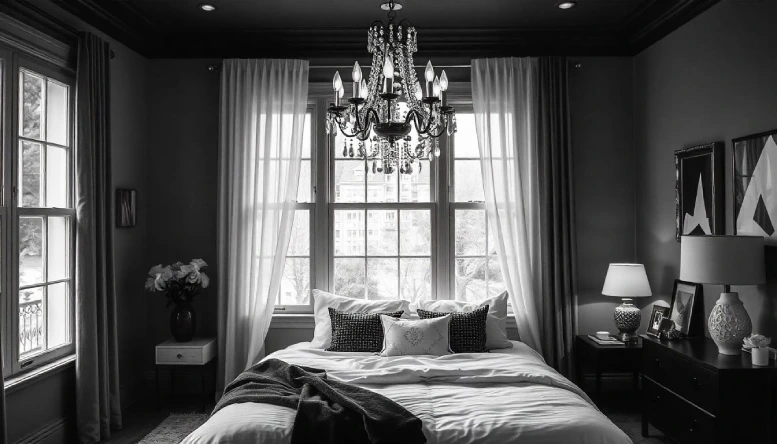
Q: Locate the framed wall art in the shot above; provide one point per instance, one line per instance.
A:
(125, 207)
(755, 201)
(686, 309)
(699, 198)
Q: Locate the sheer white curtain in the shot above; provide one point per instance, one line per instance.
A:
(505, 100)
(263, 105)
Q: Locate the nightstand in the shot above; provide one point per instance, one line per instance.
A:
(607, 359)
(693, 394)
(200, 352)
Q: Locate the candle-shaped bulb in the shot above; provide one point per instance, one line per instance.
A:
(337, 83)
(436, 87)
(429, 72)
(341, 92)
(388, 68)
(357, 72)
(418, 93)
(443, 81)
(363, 89)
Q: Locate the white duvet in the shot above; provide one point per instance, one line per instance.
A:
(506, 396)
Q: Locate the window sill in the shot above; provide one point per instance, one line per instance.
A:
(26, 379)
(306, 320)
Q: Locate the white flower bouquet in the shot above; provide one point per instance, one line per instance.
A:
(757, 341)
(179, 282)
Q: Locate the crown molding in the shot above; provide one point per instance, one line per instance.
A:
(130, 26)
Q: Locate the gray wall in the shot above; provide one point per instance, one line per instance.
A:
(713, 79)
(603, 152)
(183, 113)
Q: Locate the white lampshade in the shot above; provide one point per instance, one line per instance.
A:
(722, 260)
(626, 281)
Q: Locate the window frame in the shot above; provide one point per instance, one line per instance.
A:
(12, 211)
(441, 205)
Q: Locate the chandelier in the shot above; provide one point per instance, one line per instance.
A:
(383, 110)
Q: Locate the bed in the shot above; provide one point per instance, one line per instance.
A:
(506, 396)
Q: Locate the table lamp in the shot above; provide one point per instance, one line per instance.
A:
(627, 281)
(726, 261)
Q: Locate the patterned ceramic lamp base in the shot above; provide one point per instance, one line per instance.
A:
(627, 319)
(729, 324)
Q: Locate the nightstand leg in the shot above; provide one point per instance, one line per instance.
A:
(202, 387)
(156, 386)
(636, 382)
(598, 383)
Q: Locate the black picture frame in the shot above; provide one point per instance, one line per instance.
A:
(126, 208)
(699, 169)
(686, 308)
(659, 313)
(751, 215)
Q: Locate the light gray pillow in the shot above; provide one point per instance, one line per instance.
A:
(403, 337)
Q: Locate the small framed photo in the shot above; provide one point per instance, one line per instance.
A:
(659, 313)
(125, 207)
(663, 329)
(686, 307)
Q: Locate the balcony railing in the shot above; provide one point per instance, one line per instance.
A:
(30, 327)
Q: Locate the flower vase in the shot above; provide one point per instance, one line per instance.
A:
(183, 322)
(760, 356)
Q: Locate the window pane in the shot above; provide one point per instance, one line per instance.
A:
(30, 175)
(471, 279)
(30, 250)
(303, 192)
(495, 283)
(30, 321)
(349, 181)
(466, 137)
(349, 233)
(416, 234)
(58, 238)
(56, 113)
(382, 275)
(32, 115)
(470, 232)
(381, 187)
(382, 232)
(349, 278)
(299, 241)
(416, 187)
(58, 315)
(295, 286)
(468, 186)
(56, 177)
(416, 279)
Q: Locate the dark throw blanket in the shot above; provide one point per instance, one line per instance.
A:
(328, 411)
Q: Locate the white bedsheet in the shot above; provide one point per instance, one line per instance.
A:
(506, 396)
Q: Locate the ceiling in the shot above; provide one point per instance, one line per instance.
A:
(337, 28)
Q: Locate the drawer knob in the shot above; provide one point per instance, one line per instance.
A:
(693, 428)
(695, 382)
(180, 356)
(658, 363)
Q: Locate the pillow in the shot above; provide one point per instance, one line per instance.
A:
(496, 330)
(468, 329)
(322, 335)
(357, 332)
(422, 337)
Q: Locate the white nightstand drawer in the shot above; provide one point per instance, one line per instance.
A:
(196, 352)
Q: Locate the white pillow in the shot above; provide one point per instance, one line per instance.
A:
(322, 335)
(496, 328)
(402, 337)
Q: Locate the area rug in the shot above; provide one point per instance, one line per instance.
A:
(175, 428)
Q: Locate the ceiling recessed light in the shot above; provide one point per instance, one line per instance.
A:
(566, 5)
(207, 7)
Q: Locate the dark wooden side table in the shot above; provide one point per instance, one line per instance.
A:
(199, 353)
(607, 359)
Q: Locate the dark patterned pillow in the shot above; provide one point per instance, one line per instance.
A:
(357, 332)
(468, 329)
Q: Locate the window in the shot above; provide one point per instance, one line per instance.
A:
(38, 215)
(381, 236)
(475, 264)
